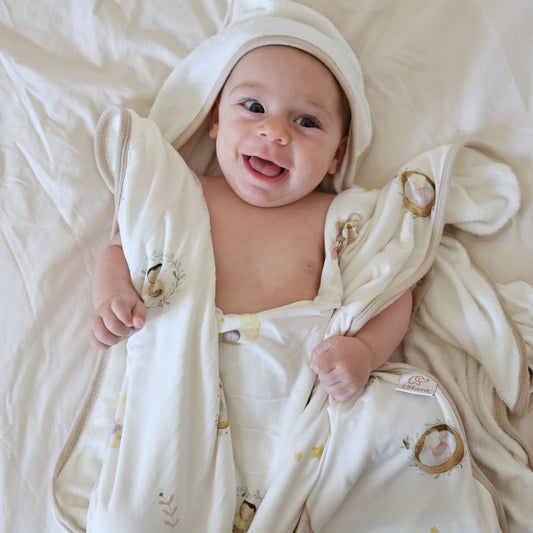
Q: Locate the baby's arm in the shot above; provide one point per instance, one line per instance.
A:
(119, 311)
(343, 364)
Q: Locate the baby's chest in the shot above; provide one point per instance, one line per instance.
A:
(265, 261)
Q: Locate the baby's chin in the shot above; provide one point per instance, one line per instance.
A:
(263, 199)
(258, 197)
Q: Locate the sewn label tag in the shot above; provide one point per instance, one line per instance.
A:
(417, 384)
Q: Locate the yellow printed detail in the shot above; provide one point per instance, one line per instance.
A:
(297, 456)
(246, 332)
(317, 452)
(223, 418)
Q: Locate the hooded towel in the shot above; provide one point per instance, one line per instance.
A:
(183, 104)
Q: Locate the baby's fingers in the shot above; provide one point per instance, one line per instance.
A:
(342, 394)
(337, 386)
(99, 336)
(322, 358)
(131, 314)
(121, 314)
(116, 319)
(139, 315)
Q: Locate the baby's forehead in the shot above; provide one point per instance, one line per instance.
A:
(277, 52)
(280, 57)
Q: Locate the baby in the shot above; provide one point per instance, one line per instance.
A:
(280, 125)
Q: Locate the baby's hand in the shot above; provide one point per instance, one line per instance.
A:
(343, 366)
(116, 319)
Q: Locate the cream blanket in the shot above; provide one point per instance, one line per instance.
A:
(164, 458)
(168, 457)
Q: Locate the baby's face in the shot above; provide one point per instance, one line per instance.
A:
(278, 125)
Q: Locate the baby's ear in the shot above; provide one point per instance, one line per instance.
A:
(339, 155)
(213, 121)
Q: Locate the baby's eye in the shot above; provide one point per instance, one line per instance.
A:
(253, 106)
(307, 122)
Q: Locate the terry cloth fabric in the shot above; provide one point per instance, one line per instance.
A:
(187, 96)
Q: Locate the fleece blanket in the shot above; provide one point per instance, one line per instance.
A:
(157, 446)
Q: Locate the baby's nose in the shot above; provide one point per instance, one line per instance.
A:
(274, 130)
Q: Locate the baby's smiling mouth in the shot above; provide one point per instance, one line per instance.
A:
(265, 167)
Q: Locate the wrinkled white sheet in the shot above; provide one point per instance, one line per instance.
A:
(436, 72)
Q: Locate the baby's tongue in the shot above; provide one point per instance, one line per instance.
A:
(265, 167)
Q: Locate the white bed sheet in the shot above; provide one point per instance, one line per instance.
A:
(436, 72)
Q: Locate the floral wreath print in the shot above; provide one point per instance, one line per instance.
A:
(163, 277)
(438, 450)
(247, 509)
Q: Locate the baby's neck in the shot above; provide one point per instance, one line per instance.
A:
(265, 257)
